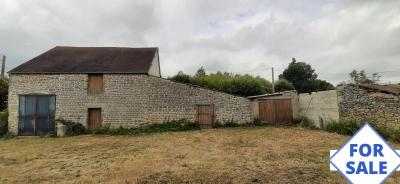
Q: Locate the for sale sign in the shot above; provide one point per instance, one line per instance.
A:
(365, 158)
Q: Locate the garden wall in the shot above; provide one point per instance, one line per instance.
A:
(319, 107)
(356, 103)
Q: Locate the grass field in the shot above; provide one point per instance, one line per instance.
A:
(231, 155)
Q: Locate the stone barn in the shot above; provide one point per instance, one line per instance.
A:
(99, 86)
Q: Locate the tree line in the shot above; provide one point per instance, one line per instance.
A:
(298, 76)
(243, 85)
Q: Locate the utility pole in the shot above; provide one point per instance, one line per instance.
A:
(273, 80)
(3, 64)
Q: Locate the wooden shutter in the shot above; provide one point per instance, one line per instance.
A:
(95, 83)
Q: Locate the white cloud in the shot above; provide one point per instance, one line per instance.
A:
(242, 36)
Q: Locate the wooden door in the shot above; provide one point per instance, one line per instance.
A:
(205, 115)
(283, 109)
(267, 111)
(94, 119)
(276, 111)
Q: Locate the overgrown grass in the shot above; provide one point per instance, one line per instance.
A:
(350, 127)
(172, 126)
(168, 126)
(232, 123)
(4, 123)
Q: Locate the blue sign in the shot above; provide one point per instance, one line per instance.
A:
(365, 158)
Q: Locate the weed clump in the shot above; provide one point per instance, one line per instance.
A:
(168, 126)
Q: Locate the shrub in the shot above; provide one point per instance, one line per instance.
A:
(237, 84)
(3, 122)
(227, 123)
(396, 135)
(73, 128)
(232, 123)
(348, 127)
(283, 85)
(258, 122)
(168, 126)
(7, 135)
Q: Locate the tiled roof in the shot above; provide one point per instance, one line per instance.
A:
(90, 60)
(388, 88)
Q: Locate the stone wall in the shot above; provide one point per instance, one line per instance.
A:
(319, 107)
(375, 107)
(127, 100)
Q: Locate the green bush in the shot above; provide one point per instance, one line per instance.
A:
(396, 135)
(3, 122)
(237, 84)
(73, 128)
(7, 135)
(226, 123)
(283, 85)
(258, 122)
(168, 126)
(232, 123)
(348, 127)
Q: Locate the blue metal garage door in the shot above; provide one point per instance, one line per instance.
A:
(36, 114)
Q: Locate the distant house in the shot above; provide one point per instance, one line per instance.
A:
(99, 86)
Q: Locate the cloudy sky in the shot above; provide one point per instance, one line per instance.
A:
(243, 36)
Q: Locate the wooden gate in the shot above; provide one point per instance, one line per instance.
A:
(94, 119)
(275, 111)
(205, 115)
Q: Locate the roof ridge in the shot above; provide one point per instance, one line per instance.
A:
(94, 47)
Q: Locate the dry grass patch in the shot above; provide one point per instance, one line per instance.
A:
(231, 155)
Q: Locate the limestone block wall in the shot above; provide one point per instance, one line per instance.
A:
(127, 100)
(319, 107)
(375, 107)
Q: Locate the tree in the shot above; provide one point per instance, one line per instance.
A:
(360, 77)
(201, 72)
(3, 93)
(316, 85)
(181, 77)
(283, 85)
(298, 72)
(304, 78)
